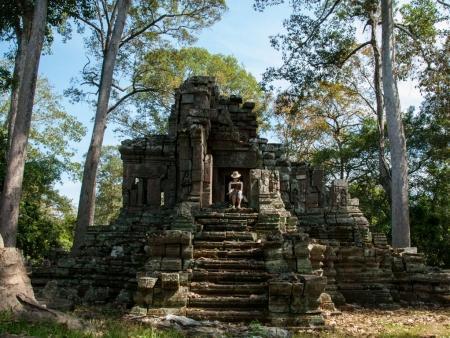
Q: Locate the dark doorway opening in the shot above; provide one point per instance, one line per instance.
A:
(222, 177)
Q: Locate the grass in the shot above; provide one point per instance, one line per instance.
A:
(102, 322)
(105, 328)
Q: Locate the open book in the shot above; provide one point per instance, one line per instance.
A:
(236, 186)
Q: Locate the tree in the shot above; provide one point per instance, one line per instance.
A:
(396, 134)
(16, 20)
(11, 263)
(9, 206)
(86, 205)
(46, 218)
(163, 70)
(321, 37)
(322, 124)
(119, 37)
(428, 134)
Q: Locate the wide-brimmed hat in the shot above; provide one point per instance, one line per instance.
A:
(235, 174)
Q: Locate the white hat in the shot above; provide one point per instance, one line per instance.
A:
(235, 174)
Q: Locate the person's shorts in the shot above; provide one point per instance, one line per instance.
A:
(237, 193)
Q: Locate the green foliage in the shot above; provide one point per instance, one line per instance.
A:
(429, 136)
(109, 186)
(421, 27)
(374, 202)
(322, 127)
(318, 42)
(53, 129)
(13, 15)
(151, 26)
(164, 69)
(46, 218)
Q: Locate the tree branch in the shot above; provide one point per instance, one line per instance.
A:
(354, 52)
(443, 3)
(141, 30)
(127, 96)
(101, 28)
(87, 22)
(321, 19)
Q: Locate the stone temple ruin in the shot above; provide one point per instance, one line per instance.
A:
(294, 249)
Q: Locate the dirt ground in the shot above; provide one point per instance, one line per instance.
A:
(405, 322)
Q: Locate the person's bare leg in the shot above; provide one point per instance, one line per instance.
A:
(233, 200)
(239, 202)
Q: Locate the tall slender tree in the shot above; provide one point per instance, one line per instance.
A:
(396, 134)
(86, 206)
(16, 18)
(122, 32)
(14, 279)
(12, 188)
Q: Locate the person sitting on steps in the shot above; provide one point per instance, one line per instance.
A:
(235, 188)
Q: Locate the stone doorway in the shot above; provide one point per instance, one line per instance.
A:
(221, 178)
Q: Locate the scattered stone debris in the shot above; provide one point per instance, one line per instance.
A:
(213, 329)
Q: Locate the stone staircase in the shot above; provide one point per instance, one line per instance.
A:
(229, 279)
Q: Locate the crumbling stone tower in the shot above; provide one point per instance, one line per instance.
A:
(177, 247)
(211, 261)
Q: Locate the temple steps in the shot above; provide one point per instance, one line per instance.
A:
(229, 277)
(229, 315)
(230, 253)
(216, 236)
(235, 289)
(227, 264)
(237, 276)
(225, 245)
(240, 226)
(228, 302)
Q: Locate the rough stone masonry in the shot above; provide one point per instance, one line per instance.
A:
(178, 248)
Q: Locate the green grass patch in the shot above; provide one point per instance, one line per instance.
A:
(109, 328)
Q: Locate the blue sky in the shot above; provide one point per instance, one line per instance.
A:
(242, 32)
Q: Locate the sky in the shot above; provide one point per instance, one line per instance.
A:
(242, 32)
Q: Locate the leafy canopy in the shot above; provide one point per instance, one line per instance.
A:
(163, 70)
(45, 218)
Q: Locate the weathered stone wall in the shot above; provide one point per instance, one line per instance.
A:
(149, 173)
(297, 240)
(105, 270)
(164, 282)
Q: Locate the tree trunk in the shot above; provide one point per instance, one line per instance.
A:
(14, 280)
(384, 170)
(22, 36)
(16, 292)
(341, 162)
(400, 199)
(12, 189)
(86, 206)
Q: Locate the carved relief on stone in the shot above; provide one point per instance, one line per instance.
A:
(339, 193)
(186, 183)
